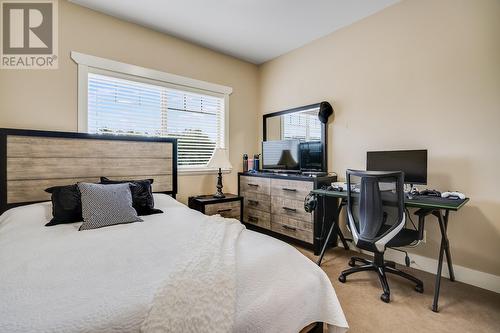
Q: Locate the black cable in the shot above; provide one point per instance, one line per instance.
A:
(411, 220)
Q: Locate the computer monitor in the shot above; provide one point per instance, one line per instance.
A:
(412, 162)
(311, 156)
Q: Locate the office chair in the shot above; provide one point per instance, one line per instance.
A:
(376, 218)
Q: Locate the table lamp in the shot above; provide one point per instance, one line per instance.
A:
(286, 160)
(219, 160)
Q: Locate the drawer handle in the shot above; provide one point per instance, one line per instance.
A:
(254, 185)
(253, 202)
(289, 209)
(223, 210)
(289, 228)
(289, 189)
(253, 218)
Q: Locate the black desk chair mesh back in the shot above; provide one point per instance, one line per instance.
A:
(376, 218)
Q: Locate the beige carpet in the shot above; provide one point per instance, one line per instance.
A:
(463, 308)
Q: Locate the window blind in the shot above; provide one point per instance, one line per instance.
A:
(121, 106)
(302, 126)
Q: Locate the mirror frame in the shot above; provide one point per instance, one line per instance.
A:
(324, 128)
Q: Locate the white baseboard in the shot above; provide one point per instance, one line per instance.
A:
(463, 274)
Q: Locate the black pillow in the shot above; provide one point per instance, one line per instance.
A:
(105, 205)
(142, 195)
(66, 204)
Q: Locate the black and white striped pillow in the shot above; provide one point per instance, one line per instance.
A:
(105, 205)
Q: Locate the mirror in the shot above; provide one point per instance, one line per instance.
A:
(300, 124)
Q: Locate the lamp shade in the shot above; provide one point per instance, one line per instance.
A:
(287, 160)
(219, 159)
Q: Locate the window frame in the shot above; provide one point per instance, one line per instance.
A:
(91, 64)
(307, 127)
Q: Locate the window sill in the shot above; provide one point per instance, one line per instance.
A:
(200, 171)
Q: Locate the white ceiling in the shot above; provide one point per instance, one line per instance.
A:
(252, 30)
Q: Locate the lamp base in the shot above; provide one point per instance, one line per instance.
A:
(219, 193)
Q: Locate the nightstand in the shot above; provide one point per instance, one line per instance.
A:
(230, 206)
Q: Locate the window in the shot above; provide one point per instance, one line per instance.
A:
(119, 106)
(120, 103)
(303, 126)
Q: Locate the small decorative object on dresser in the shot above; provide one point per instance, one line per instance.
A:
(245, 162)
(219, 160)
(229, 206)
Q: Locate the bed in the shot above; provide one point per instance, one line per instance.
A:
(56, 279)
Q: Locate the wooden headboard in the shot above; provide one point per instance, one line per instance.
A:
(31, 161)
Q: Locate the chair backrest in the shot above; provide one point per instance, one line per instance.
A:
(375, 207)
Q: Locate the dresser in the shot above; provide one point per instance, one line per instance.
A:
(274, 204)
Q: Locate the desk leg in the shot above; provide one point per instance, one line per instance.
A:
(438, 278)
(447, 247)
(341, 236)
(335, 226)
(325, 243)
(444, 249)
(443, 226)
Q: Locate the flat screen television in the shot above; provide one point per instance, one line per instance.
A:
(412, 162)
(280, 155)
(311, 156)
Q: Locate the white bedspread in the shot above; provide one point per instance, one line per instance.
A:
(56, 279)
(185, 303)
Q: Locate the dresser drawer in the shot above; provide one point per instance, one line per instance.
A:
(290, 208)
(292, 189)
(225, 209)
(257, 217)
(305, 235)
(254, 185)
(257, 201)
(300, 224)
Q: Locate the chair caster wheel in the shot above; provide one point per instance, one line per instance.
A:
(385, 297)
(352, 263)
(342, 278)
(419, 288)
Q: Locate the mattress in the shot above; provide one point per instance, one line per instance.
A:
(57, 279)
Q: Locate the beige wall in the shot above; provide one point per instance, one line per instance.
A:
(420, 74)
(47, 99)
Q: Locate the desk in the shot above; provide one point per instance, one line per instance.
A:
(439, 207)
